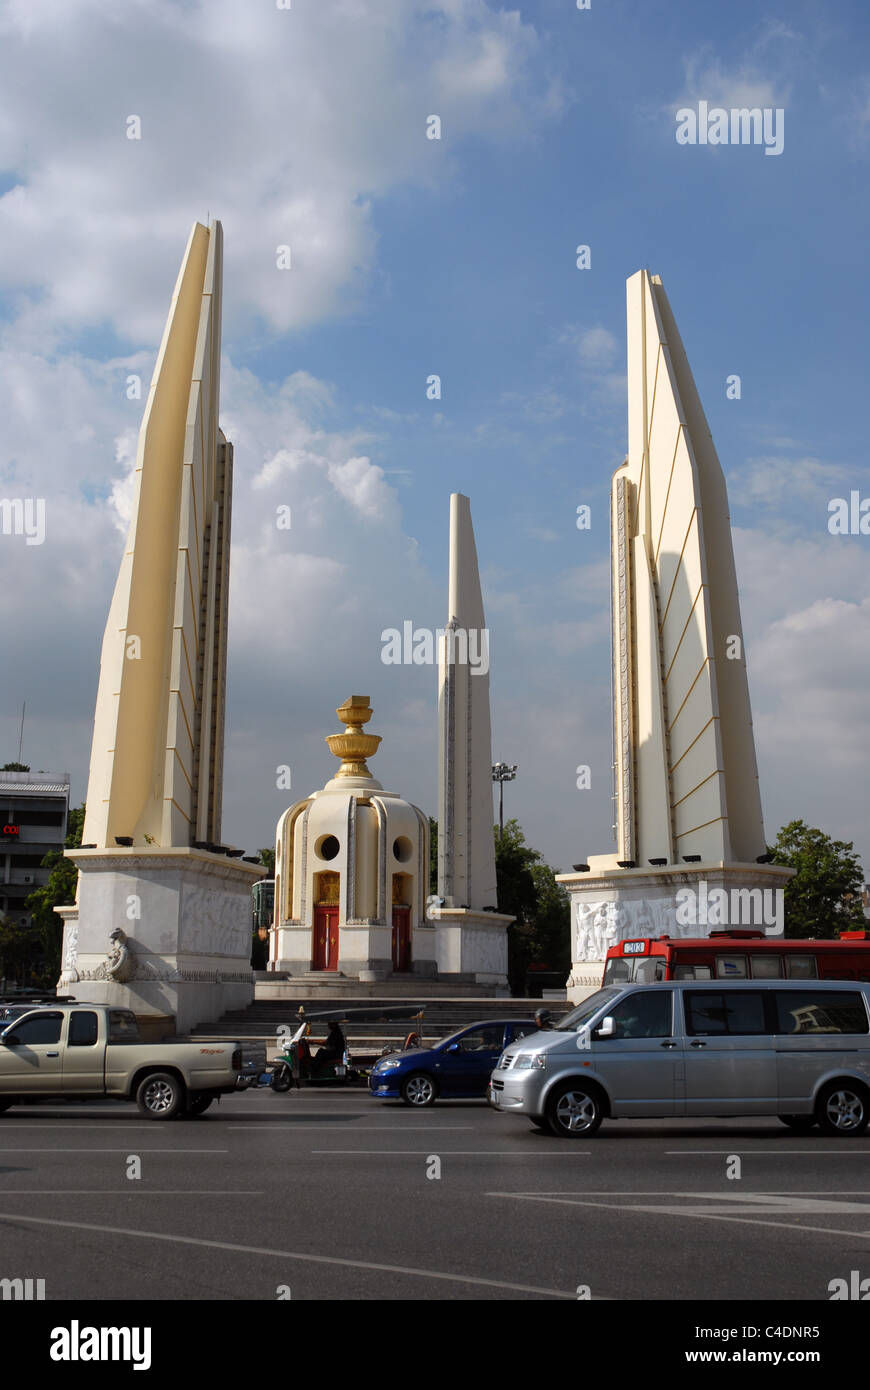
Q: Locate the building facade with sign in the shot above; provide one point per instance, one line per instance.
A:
(34, 807)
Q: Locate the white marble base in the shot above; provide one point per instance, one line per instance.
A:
(685, 900)
(186, 916)
(473, 944)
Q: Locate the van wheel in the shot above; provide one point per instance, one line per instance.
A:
(801, 1124)
(573, 1112)
(160, 1096)
(842, 1109)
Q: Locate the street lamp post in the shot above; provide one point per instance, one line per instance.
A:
(501, 773)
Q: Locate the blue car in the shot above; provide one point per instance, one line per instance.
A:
(460, 1066)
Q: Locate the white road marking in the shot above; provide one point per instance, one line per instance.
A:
(113, 1151)
(451, 1153)
(415, 1271)
(302, 1126)
(707, 1213)
(754, 1153)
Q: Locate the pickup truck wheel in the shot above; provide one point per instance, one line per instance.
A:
(199, 1103)
(160, 1096)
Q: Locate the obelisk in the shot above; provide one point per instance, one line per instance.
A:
(472, 933)
(152, 864)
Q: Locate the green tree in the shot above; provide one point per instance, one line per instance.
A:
(267, 857)
(14, 950)
(824, 897)
(527, 890)
(15, 767)
(45, 934)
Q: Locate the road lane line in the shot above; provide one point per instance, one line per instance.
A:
(357, 1129)
(752, 1153)
(451, 1153)
(291, 1255)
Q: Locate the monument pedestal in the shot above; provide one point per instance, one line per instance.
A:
(164, 932)
(473, 945)
(609, 904)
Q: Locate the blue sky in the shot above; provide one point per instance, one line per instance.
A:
(453, 257)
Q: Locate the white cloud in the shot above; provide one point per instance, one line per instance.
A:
(248, 112)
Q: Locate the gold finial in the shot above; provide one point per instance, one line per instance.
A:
(353, 746)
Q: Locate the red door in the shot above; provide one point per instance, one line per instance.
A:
(325, 952)
(401, 938)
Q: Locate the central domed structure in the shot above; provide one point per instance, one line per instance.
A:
(352, 872)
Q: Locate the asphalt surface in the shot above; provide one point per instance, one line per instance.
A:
(327, 1194)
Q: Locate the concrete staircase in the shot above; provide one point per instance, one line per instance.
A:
(320, 984)
(261, 1020)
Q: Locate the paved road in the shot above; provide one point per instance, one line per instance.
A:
(327, 1193)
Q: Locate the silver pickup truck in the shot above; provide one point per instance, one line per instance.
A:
(78, 1051)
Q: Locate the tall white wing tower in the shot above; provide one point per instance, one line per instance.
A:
(157, 753)
(686, 774)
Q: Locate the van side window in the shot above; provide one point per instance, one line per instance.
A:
(766, 967)
(731, 968)
(646, 1014)
(801, 967)
(820, 1011)
(739, 1013)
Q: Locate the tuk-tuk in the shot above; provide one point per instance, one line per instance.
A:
(295, 1066)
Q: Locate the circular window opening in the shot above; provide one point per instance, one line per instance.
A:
(402, 849)
(327, 847)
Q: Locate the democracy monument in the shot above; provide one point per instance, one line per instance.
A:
(162, 920)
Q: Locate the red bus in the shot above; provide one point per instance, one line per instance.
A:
(737, 955)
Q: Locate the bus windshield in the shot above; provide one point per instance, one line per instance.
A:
(620, 970)
(585, 1010)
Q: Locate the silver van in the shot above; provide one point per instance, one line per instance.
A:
(797, 1049)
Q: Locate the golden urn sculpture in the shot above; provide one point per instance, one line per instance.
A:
(353, 746)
